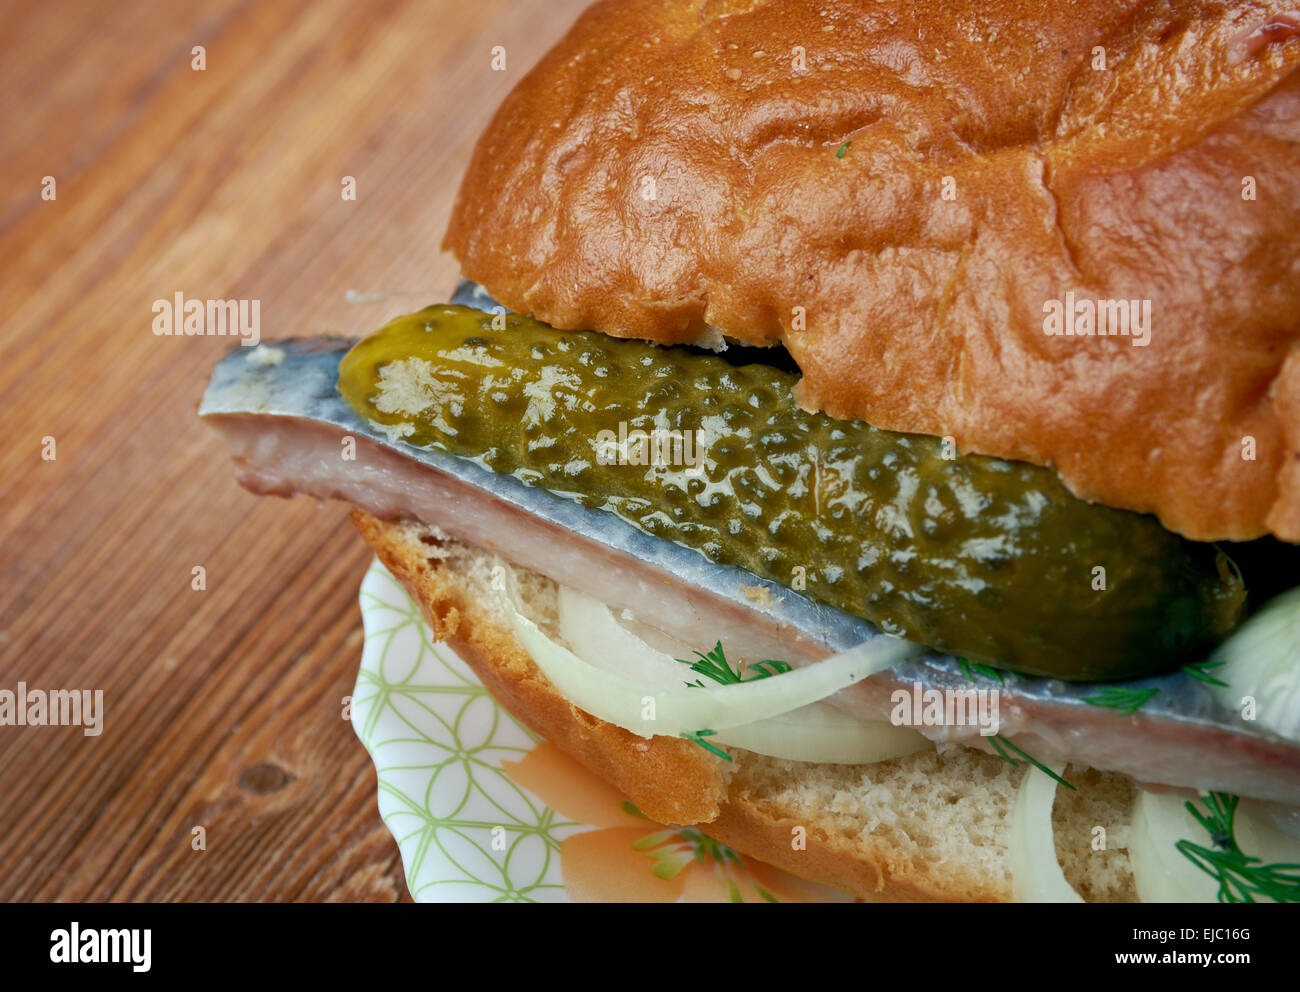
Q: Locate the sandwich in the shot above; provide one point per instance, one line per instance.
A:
(868, 433)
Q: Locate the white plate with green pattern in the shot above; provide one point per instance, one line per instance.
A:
(485, 811)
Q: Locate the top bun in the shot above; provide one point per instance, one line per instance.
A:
(898, 192)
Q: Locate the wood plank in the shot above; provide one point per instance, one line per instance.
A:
(223, 706)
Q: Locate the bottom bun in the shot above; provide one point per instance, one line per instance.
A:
(929, 826)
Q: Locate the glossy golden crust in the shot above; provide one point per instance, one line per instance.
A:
(672, 166)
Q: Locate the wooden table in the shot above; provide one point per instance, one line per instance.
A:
(223, 705)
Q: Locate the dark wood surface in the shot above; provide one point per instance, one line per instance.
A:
(223, 706)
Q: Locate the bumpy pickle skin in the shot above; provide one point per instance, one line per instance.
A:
(975, 556)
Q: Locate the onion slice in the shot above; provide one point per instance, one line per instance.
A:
(1036, 875)
(1164, 874)
(821, 733)
(589, 628)
(816, 732)
(1161, 872)
(1261, 660)
(647, 708)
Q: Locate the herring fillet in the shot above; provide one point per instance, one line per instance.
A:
(283, 420)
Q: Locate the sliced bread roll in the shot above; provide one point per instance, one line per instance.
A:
(930, 826)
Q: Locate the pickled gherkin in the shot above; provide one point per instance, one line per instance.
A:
(987, 559)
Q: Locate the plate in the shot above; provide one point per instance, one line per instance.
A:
(483, 810)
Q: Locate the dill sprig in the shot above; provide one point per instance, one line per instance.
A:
(716, 666)
(1199, 672)
(986, 670)
(1127, 701)
(698, 737)
(1241, 877)
(999, 743)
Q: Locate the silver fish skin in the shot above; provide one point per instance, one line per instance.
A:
(1181, 738)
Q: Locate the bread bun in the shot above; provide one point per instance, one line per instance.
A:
(929, 826)
(897, 190)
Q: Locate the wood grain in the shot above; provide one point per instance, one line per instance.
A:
(223, 707)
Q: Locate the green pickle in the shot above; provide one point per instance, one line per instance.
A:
(986, 559)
